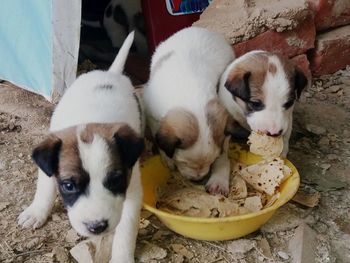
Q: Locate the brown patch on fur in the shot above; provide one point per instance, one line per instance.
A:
(178, 129)
(253, 70)
(297, 80)
(217, 119)
(105, 130)
(70, 165)
(272, 69)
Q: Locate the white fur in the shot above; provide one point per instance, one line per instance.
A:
(185, 71)
(85, 102)
(273, 117)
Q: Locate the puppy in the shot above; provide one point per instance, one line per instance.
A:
(183, 109)
(91, 156)
(259, 90)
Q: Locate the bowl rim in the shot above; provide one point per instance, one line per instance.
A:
(272, 208)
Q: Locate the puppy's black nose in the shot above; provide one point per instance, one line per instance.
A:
(97, 227)
(275, 134)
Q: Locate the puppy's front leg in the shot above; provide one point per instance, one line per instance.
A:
(36, 214)
(124, 242)
(219, 181)
(286, 138)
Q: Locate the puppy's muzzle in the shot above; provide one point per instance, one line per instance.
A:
(97, 227)
(275, 134)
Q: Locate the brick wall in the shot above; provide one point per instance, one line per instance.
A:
(320, 42)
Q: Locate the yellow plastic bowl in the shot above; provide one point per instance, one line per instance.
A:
(155, 174)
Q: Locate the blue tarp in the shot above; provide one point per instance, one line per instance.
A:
(26, 44)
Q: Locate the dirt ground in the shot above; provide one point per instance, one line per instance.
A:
(320, 149)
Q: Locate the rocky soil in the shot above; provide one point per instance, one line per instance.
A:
(320, 149)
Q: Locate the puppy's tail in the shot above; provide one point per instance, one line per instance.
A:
(119, 62)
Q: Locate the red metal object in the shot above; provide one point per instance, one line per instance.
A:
(160, 24)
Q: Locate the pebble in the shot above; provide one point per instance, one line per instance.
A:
(324, 141)
(307, 95)
(332, 157)
(325, 166)
(261, 259)
(345, 80)
(318, 130)
(240, 246)
(283, 255)
(72, 236)
(151, 251)
(321, 96)
(335, 89)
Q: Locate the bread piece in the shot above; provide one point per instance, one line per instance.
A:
(264, 176)
(264, 145)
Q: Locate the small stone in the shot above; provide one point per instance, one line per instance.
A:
(318, 130)
(335, 89)
(20, 155)
(4, 205)
(346, 133)
(324, 141)
(72, 236)
(33, 243)
(345, 80)
(325, 166)
(56, 218)
(176, 258)
(144, 223)
(283, 255)
(182, 250)
(261, 259)
(332, 157)
(60, 254)
(11, 126)
(241, 246)
(321, 96)
(307, 95)
(340, 93)
(150, 252)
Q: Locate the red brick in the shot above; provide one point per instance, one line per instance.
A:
(303, 64)
(287, 43)
(332, 51)
(330, 13)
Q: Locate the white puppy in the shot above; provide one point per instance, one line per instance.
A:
(259, 90)
(183, 109)
(91, 157)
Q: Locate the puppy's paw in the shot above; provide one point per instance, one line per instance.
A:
(218, 185)
(33, 216)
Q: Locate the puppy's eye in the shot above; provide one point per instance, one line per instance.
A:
(116, 181)
(288, 104)
(256, 105)
(68, 187)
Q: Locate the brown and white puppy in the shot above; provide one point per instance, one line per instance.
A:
(90, 157)
(259, 90)
(184, 112)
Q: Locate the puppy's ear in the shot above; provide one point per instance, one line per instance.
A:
(300, 82)
(237, 84)
(46, 155)
(130, 145)
(234, 129)
(178, 129)
(168, 142)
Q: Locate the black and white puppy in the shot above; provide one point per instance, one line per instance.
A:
(259, 90)
(91, 158)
